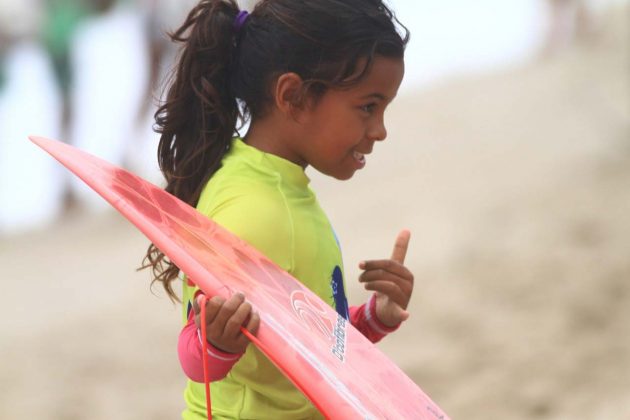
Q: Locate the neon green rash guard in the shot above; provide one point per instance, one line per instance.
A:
(266, 200)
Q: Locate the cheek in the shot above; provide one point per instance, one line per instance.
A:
(348, 125)
(335, 134)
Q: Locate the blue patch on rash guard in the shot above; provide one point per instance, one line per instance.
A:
(339, 294)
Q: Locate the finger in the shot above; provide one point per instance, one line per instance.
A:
(391, 290)
(405, 284)
(225, 312)
(390, 266)
(210, 313)
(234, 323)
(254, 323)
(213, 306)
(400, 246)
(252, 327)
(197, 302)
(197, 309)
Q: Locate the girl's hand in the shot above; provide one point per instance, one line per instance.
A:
(391, 281)
(224, 319)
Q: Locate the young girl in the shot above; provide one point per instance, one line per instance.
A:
(314, 77)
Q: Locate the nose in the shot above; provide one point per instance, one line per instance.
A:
(378, 132)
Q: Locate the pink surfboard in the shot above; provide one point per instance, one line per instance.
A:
(332, 363)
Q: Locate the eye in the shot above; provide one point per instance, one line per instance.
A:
(369, 108)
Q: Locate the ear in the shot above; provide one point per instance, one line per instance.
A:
(287, 94)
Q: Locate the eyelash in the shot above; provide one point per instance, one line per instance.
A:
(368, 108)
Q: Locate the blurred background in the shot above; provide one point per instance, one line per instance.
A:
(508, 157)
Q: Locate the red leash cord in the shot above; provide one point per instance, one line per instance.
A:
(204, 349)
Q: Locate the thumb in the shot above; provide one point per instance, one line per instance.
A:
(401, 245)
(403, 314)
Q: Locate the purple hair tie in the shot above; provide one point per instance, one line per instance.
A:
(240, 19)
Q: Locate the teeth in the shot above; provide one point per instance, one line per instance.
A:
(359, 156)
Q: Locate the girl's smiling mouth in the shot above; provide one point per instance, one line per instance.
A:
(359, 157)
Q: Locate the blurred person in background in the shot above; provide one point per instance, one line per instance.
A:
(31, 184)
(569, 21)
(86, 72)
(61, 18)
(109, 63)
(159, 17)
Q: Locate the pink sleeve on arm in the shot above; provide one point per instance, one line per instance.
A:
(189, 350)
(364, 319)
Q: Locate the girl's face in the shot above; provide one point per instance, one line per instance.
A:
(341, 129)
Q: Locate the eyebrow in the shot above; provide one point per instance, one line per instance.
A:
(376, 95)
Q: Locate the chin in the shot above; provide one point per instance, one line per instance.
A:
(342, 176)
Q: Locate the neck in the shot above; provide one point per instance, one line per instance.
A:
(266, 135)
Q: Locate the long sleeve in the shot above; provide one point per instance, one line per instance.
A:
(365, 320)
(190, 350)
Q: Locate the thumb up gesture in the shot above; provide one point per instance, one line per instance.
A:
(391, 281)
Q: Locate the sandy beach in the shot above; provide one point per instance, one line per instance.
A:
(516, 187)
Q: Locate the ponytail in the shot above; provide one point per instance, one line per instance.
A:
(198, 119)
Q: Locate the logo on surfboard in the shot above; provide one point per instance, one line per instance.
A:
(314, 316)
